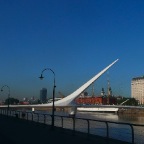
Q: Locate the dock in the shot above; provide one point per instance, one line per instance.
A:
(20, 131)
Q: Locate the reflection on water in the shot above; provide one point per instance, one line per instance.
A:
(127, 118)
(98, 116)
(132, 118)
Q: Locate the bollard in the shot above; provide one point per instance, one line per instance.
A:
(33, 110)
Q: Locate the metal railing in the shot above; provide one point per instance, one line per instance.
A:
(132, 133)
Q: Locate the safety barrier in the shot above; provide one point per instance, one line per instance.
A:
(132, 133)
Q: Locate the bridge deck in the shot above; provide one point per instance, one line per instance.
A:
(19, 131)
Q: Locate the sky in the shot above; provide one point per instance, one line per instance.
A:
(76, 39)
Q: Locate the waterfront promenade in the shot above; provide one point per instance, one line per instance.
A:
(20, 131)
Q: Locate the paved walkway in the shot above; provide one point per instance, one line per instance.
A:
(18, 131)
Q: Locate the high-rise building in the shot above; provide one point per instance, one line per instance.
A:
(137, 89)
(43, 95)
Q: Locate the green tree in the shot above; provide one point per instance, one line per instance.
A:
(12, 101)
(130, 101)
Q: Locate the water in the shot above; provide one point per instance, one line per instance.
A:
(116, 131)
(126, 118)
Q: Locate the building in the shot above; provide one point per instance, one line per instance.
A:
(103, 99)
(137, 89)
(88, 100)
(95, 100)
(43, 95)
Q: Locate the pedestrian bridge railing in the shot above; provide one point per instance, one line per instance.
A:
(132, 133)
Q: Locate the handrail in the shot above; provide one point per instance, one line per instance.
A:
(3, 112)
(107, 129)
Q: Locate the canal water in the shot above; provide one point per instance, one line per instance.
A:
(126, 118)
(116, 131)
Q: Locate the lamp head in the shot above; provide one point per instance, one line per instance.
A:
(41, 77)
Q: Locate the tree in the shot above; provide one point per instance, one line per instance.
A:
(130, 101)
(12, 101)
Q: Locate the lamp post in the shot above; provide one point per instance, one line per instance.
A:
(54, 86)
(8, 94)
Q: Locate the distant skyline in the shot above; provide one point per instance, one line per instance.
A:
(76, 39)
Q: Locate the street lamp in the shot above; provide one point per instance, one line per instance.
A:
(8, 94)
(54, 86)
